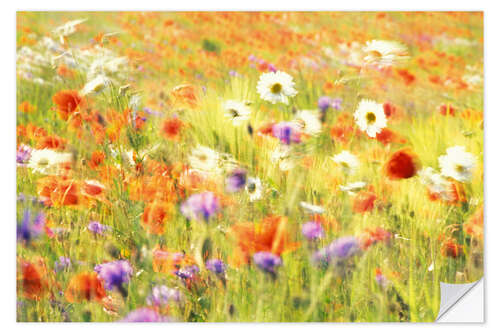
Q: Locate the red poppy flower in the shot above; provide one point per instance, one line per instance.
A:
(364, 202)
(450, 248)
(34, 279)
(85, 286)
(387, 136)
(26, 107)
(171, 128)
(447, 109)
(270, 235)
(372, 236)
(51, 142)
(407, 77)
(474, 225)
(389, 109)
(96, 159)
(402, 164)
(67, 102)
(155, 216)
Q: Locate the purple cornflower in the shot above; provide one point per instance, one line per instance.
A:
(312, 230)
(324, 103)
(29, 229)
(23, 154)
(152, 112)
(339, 250)
(62, 264)
(114, 273)
(162, 295)
(188, 272)
(267, 261)
(233, 73)
(201, 206)
(336, 103)
(236, 180)
(34, 200)
(215, 265)
(271, 68)
(96, 228)
(144, 315)
(287, 132)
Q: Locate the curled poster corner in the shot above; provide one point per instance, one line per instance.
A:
(451, 295)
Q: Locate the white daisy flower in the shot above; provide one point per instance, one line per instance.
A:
(313, 209)
(352, 188)
(309, 120)
(67, 29)
(276, 87)
(204, 160)
(348, 162)
(238, 112)
(457, 164)
(47, 161)
(254, 188)
(96, 85)
(281, 156)
(370, 117)
(384, 53)
(436, 183)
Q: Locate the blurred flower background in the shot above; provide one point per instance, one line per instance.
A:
(230, 166)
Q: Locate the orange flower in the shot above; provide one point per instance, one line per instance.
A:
(85, 286)
(155, 216)
(96, 159)
(458, 193)
(372, 236)
(171, 128)
(26, 107)
(92, 188)
(67, 102)
(447, 109)
(472, 115)
(65, 72)
(474, 225)
(408, 77)
(389, 109)
(329, 223)
(364, 202)
(58, 191)
(450, 248)
(185, 94)
(140, 120)
(342, 133)
(34, 279)
(51, 142)
(269, 235)
(402, 164)
(167, 261)
(387, 136)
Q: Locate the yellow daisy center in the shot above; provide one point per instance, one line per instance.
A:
(43, 162)
(233, 113)
(276, 88)
(251, 187)
(375, 54)
(370, 118)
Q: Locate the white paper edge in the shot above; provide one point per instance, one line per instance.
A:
(462, 303)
